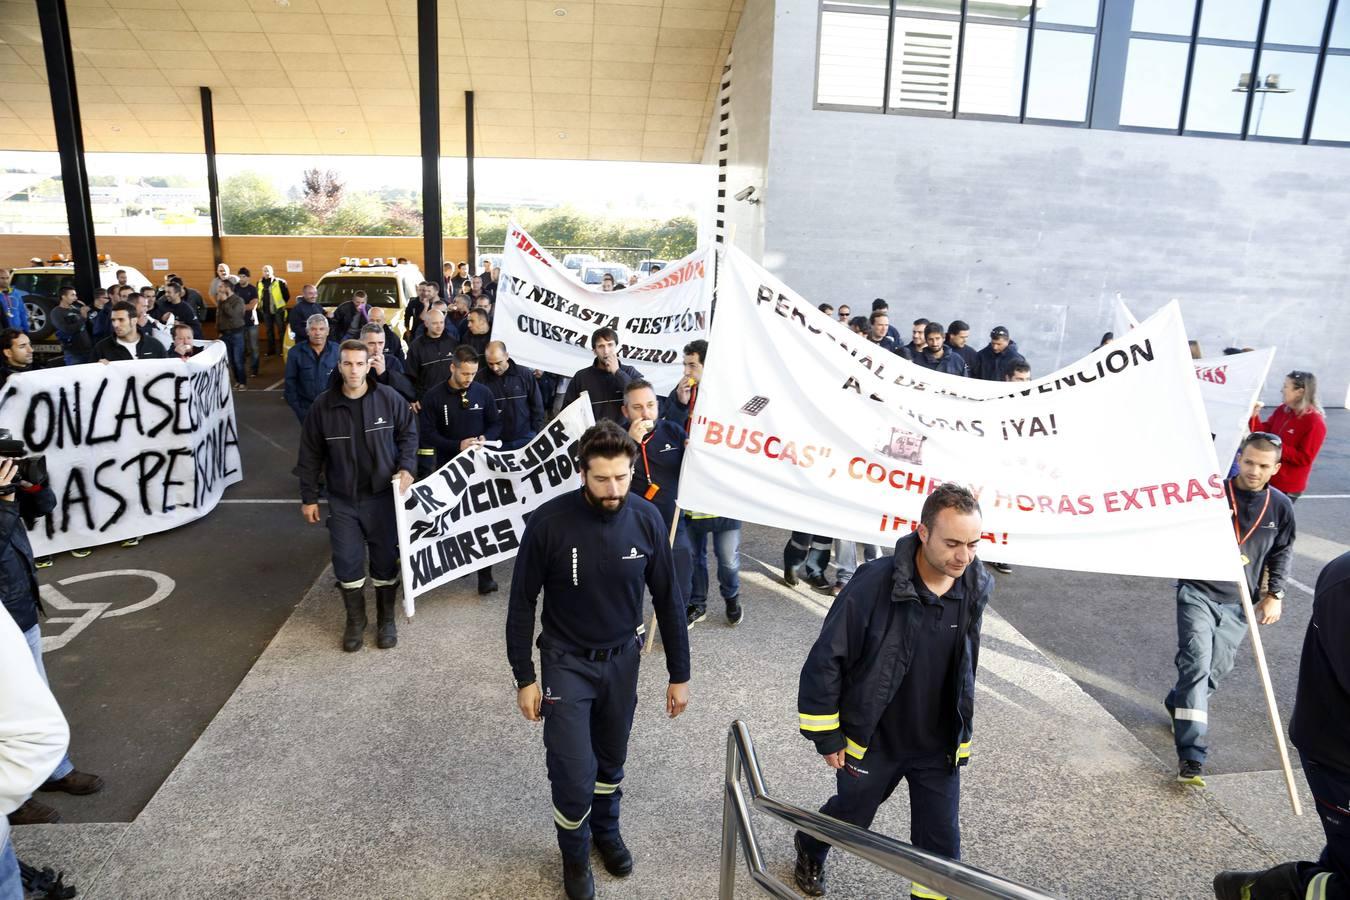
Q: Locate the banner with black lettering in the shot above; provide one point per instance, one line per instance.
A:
(1106, 465)
(546, 316)
(132, 448)
(471, 512)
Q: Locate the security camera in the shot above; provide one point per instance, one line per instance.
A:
(746, 194)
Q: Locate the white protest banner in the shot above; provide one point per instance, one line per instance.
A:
(132, 448)
(1229, 385)
(546, 317)
(471, 512)
(1106, 465)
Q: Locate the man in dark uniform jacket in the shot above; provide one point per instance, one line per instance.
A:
(591, 552)
(603, 379)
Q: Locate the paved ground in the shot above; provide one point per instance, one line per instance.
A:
(408, 773)
(140, 688)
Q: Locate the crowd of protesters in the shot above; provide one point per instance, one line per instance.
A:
(445, 385)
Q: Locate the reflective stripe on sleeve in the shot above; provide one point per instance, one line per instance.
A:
(811, 722)
(963, 750)
(1192, 715)
(1317, 888)
(853, 748)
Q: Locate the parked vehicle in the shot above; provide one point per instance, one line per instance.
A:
(594, 273)
(386, 284)
(39, 285)
(648, 266)
(575, 262)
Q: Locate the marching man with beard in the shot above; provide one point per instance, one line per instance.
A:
(591, 552)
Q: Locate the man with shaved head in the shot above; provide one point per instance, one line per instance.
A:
(517, 394)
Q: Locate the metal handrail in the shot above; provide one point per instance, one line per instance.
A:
(958, 881)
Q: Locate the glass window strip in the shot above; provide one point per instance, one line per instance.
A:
(965, 18)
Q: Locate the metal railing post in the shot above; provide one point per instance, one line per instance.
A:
(959, 881)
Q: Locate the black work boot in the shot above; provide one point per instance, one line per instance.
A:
(1279, 883)
(809, 874)
(578, 882)
(386, 634)
(355, 601)
(486, 583)
(614, 854)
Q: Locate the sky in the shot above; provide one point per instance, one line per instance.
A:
(618, 188)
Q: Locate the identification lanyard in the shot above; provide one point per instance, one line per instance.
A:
(646, 466)
(1237, 529)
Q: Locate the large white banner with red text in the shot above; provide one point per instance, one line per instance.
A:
(546, 316)
(1229, 385)
(1106, 465)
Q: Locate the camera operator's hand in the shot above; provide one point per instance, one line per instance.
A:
(9, 470)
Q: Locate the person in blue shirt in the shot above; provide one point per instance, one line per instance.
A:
(592, 551)
(656, 477)
(456, 415)
(306, 306)
(308, 367)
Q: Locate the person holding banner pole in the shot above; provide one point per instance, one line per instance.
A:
(455, 415)
(656, 477)
(361, 437)
(888, 689)
(1211, 620)
(591, 552)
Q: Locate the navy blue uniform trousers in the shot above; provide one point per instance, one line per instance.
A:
(357, 525)
(1329, 877)
(588, 713)
(934, 797)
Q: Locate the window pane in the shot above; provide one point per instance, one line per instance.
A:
(848, 5)
(1332, 121)
(1281, 101)
(1155, 74)
(1068, 12)
(923, 64)
(852, 59)
(992, 70)
(1214, 104)
(1296, 22)
(946, 7)
(1011, 11)
(1340, 31)
(1061, 73)
(1164, 16)
(1232, 20)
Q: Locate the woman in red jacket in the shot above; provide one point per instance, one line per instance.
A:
(1301, 427)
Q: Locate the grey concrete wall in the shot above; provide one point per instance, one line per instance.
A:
(752, 54)
(1038, 227)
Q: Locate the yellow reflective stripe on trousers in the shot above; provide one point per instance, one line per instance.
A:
(853, 748)
(564, 822)
(603, 788)
(818, 723)
(1317, 888)
(918, 890)
(963, 750)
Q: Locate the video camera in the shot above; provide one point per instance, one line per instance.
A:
(32, 469)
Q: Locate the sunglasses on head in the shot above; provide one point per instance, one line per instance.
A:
(1266, 436)
(1300, 379)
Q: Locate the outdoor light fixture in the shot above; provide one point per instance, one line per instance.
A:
(562, 135)
(116, 129)
(747, 194)
(560, 12)
(342, 131)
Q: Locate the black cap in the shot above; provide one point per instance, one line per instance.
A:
(999, 331)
